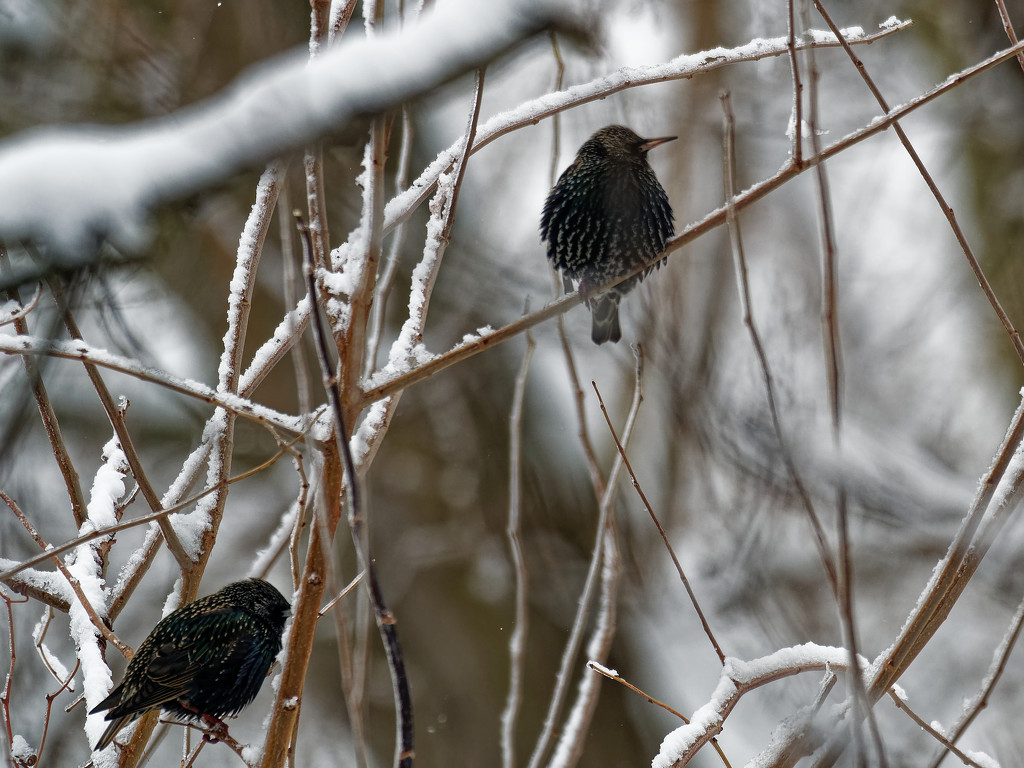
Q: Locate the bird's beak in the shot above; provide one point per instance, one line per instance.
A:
(650, 144)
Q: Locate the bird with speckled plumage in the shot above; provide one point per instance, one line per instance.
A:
(206, 660)
(607, 215)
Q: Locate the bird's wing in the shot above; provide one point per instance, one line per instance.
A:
(177, 663)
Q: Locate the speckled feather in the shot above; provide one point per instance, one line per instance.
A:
(209, 657)
(607, 215)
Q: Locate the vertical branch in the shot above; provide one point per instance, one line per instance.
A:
(243, 281)
(313, 158)
(5, 695)
(46, 413)
(570, 746)
(740, 265)
(386, 622)
(353, 347)
(572, 646)
(798, 87)
(1004, 16)
(387, 277)
(305, 610)
(833, 372)
(341, 15)
(517, 643)
(833, 377)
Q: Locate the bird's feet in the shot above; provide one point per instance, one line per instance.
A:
(587, 290)
(216, 729)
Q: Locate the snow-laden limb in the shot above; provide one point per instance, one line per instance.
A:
(65, 186)
(738, 677)
(84, 566)
(79, 350)
(195, 529)
(683, 66)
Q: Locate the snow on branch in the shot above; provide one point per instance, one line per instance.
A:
(737, 678)
(683, 66)
(68, 186)
(79, 350)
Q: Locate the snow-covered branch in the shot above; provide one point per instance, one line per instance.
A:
(737, 678)
(80, 350)
(67, 186)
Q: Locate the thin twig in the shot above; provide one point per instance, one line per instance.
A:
(1004, 16)
(50, 424)
(517, 642)
(572, 645)
(387, 278)
(143, 520)
(116, 418)
(834, 385)
(65, 685)
(341, 595)
(611, 674)
(740, 262)
(927, 728)
(5, 695)
(661, 531)
(104, 631)
(991, 679)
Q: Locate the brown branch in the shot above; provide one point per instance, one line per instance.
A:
(50, 424)
(65, 685)
(1004, 16)
(661, 531)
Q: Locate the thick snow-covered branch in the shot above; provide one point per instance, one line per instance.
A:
(67, 186)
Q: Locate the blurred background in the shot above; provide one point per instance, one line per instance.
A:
(929, 378)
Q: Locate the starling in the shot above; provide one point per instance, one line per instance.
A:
(605, 217)
(205, 661)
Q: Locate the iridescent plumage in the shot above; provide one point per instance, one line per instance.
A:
(607, 215)
(209, 657)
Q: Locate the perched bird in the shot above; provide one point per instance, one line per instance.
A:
(607, 215)
(205, 661)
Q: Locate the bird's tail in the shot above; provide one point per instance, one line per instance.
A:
(605, 319)
(112, 729)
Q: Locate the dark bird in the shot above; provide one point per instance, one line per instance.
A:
(605, 217)
(205, 661)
